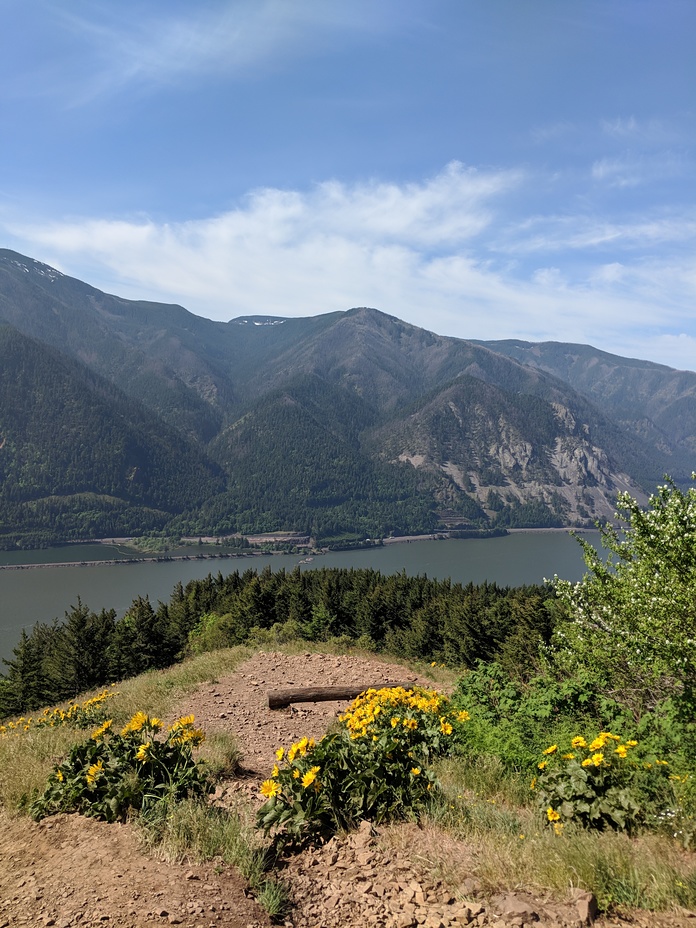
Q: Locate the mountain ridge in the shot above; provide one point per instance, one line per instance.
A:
(358, 423)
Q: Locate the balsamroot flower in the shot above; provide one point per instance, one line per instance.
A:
(269, 789)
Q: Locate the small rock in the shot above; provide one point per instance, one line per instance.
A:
(515, 907)
(586, 906)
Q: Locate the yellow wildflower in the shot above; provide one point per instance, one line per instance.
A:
(631, 744)
(551, 750)
(275, 771)
(578, 742)
(415, 771)
(143, 752)
(269, 788)
(296, 774)
(280, 753)
(445, 726)
(621, 750)
(552, 815)
(59, 776)
(597, 758)
(542, 764)
(569, 756)
(97, 733)
(136, 723)
(463, 716)
(94, 772)
(310, 776)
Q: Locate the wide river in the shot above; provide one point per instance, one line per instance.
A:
(44, 593)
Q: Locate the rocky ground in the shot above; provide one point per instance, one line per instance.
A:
(72, 871)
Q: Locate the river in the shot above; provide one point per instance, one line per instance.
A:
(44, 593)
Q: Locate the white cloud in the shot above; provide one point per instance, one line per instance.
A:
(635, 170)
(427, 252)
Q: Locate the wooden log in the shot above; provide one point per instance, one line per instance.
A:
(279, 699)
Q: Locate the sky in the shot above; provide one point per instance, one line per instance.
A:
(484, 169)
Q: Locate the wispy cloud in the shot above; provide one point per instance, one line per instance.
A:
(633, 170)
(629, 130)
(428, 252)
(120, 47)
(555, 234)
(553, 132)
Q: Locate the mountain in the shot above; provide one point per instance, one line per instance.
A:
(651, 401)
(80, 459)
(352, 423)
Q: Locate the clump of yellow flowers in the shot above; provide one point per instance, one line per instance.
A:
(599, 784)
(114, 772)
(79, 715)
(374, 710)
(375, 765)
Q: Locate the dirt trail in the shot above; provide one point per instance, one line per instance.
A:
(239, 703)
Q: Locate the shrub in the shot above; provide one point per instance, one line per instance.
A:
(375, 766)
(111, 774)
(631, 621)
(601, 784)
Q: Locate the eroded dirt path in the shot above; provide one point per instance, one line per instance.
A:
(238, 703)
(73, 871)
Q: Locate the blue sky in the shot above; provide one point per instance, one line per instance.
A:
(482, 168)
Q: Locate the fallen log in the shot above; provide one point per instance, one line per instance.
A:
(280, 699)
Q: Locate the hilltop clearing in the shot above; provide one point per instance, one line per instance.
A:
(71, 870)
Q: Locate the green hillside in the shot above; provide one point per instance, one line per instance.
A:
(80, 459)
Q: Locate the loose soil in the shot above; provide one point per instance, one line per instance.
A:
(73, 871)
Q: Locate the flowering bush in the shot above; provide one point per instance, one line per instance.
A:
(112, 773)
(79, 715)
(599, 785)
(631, 620)
(374, 766)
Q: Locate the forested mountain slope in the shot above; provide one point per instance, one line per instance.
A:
(346, 423)
(78, 458)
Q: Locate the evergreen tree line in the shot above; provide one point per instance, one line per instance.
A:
(412, 616)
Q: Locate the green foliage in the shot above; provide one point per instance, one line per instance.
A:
(631, 621)
(374, 767)
(601, 784)
(111, 774)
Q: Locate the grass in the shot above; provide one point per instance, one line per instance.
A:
(486, 825)
(27, 759)
(196, 831)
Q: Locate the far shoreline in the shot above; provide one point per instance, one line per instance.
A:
(226, 555)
